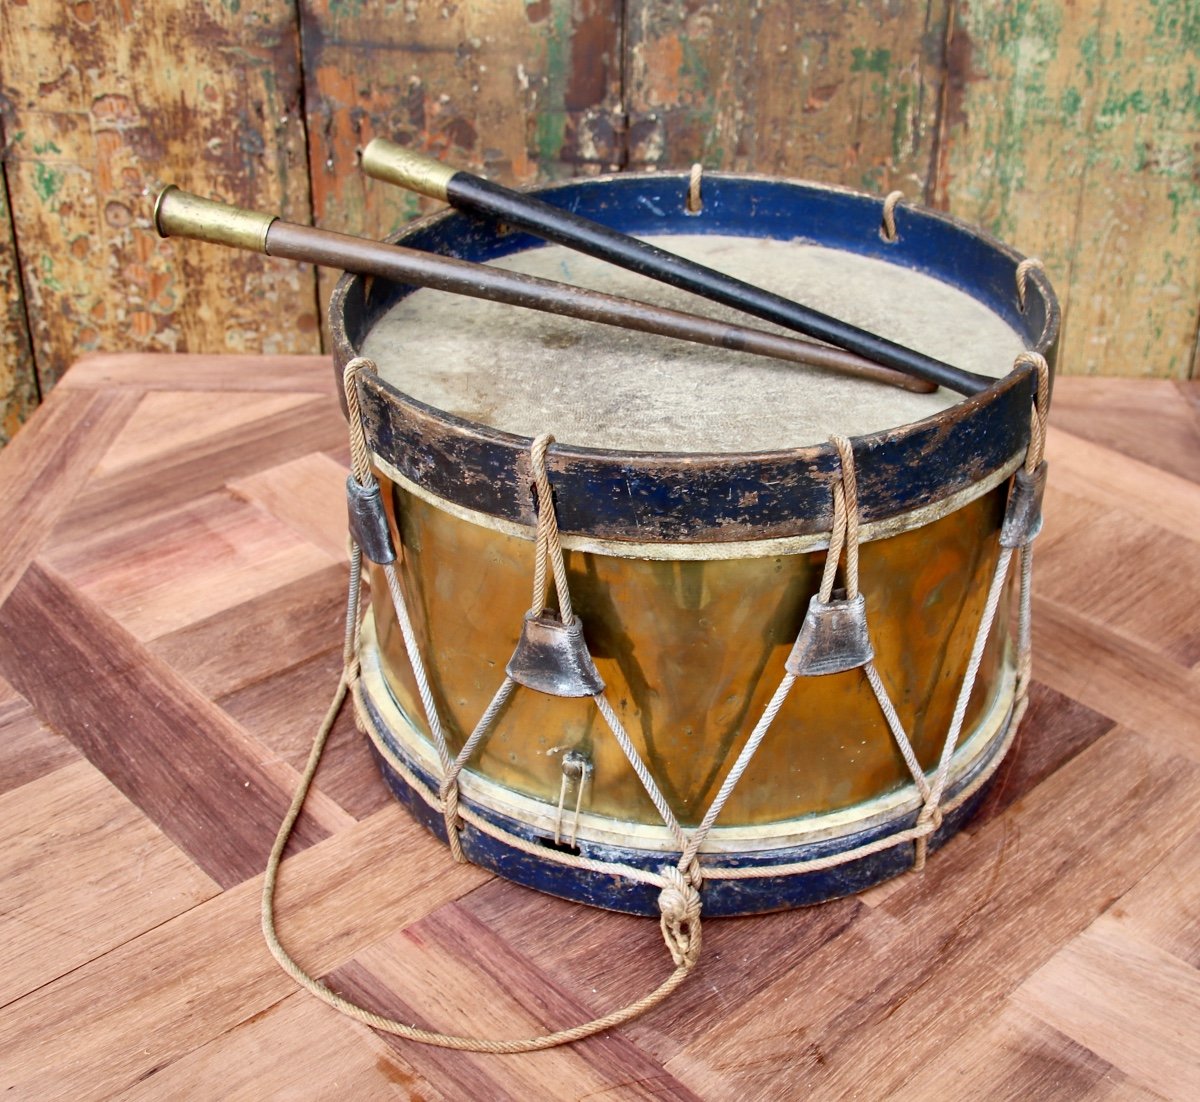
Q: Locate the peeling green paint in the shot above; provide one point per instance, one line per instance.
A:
(1180, 200)
(1089, 52)
(1022, 39)
(1117, 104)
(410, 208)
(42, 147)
(901, 127)
(1178, 21)
(878, 61)
(693, 67)
(1189, 96)
(48, 278)
(695, 74)
(872, 179)
(550, 127)
(46, 181)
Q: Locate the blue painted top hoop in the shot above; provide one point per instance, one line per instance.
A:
(686, 497)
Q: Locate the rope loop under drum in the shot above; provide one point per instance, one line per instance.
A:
(833, 638)
(679, 897)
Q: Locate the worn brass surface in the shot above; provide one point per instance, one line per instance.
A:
(691, 652)
(180, 214)
(397, 164)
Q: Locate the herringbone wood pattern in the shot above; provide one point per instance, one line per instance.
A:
(170, 582)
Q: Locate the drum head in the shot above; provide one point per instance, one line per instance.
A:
(527, 372)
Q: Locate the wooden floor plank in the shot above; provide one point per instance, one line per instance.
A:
(302, 1049)
(175, 988)
(1094, 473)
(1154, 422)
(1066, 516)
(1131, 1003)
(1120, 678)
(283, 712)
(1190, 389)
(451, 972)
(1135, 579)
(167, 572)
(202, 467)
(612, 959)
(200, 371)
(1163, 909)
(28, 748)
(905, 978)
(1013, 1056)
(48, 464)
(1054, 730)
(160, 574)
(259, 638)
(165, 421)
(177, 756)
(58, 833)
(307, 495)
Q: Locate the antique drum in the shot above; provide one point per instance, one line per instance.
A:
(716, 691)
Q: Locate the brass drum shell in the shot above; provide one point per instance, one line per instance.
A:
(691, 651)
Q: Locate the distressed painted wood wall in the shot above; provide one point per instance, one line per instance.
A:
(1071, 130)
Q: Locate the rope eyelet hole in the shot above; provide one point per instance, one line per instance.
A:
(559, 847)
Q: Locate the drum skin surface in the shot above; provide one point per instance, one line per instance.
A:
(691, 588)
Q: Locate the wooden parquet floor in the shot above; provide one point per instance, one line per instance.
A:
(170, 589)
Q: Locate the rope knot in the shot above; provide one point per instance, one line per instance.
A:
(930, 818)
(679, 904)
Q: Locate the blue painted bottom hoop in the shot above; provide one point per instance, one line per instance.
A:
(719, 897)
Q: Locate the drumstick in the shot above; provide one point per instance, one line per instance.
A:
(180, 214)
(398, 165)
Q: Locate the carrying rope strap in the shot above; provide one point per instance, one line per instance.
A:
(679, 898)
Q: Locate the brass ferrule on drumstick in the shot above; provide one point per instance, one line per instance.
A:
(180, 214)
(465, 191)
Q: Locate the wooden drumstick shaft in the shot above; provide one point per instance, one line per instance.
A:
(396, 164)
(179, 214)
